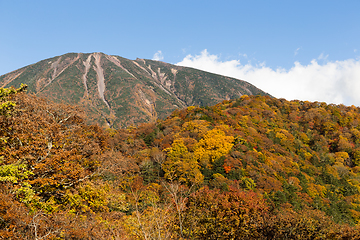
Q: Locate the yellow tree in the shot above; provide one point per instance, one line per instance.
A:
(181, 165)
(214, 145)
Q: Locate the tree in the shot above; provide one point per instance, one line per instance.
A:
(236, 214)
(181, 165)
(214, 145)
(46, 149)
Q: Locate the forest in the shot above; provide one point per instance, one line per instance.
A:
(256, 167)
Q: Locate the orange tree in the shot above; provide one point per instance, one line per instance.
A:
(211, 214)
(46, 148)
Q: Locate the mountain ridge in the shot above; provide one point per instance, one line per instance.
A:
(118, 92)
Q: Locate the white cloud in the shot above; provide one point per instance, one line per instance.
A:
(331, 82)
(322, 57)
(296, 51)
(243, 55)
(158, 56)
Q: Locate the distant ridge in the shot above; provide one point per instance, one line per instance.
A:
(119, 92)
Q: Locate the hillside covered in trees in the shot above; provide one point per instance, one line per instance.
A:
(252, 168)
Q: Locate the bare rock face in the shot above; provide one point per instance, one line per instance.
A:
(117, 92)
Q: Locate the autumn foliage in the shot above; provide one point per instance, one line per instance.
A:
(251, 168)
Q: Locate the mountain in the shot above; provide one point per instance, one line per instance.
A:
(119, 92)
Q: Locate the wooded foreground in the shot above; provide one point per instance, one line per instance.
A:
(252, 168)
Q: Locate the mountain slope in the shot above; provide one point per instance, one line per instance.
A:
(299, 155)
(252, 168)
(119, 92)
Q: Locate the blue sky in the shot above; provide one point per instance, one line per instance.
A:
(307, 50)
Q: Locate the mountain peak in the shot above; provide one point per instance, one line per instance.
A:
(119, 92)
